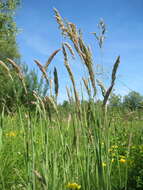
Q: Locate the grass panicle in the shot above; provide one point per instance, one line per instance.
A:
(19, 73)
(86, 84)
(109, 90)
(69, 48)
(42, 69)
(56, 82)
(71, 75)
(51, 58)
(7, 69)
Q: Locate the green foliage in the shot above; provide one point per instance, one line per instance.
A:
(66, 106)
(8, 30)
(133, 100)
(135, 179)
(12, 92)
(33, 83)
(115, 100)
(45, 154)
(8, 49)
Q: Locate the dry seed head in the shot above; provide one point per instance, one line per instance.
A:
(40, 178)
(24, 85)
(102, 87)
(36, 96)
(51, 83)
(15, 66)
(92, 77)
(70, 74)
(85, 82)
(42, 69)
(52, 102)
(68, 93)
(42, 103)
(51, 58)
(83, 49)
(114, 71)
(19, 73)
(58, 17)
(6, 68)
(65, 54)
(60, 21)
(80, 47)
(87, 58)
(70, 48)
(39, 100)
(77, 98)
(69, 30)
(73, 28)
(86, 86)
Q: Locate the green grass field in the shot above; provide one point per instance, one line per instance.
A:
(40, 154)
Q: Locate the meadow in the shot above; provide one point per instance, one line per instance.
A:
(91, 147)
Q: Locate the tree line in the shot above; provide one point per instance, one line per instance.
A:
(12, 92)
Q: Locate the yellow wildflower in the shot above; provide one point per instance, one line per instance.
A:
(11, 134)
(115, 146)
(110, 150)
(73, 186)
(122, 160)
(104, 164)
(112, 160)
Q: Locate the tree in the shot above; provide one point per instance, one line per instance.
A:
(12, 92)
(33, 83)
(8, 49)
(133, 100)
(8, 30)
(115, 100)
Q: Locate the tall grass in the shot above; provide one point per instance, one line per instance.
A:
(89, 150)
(39, 154)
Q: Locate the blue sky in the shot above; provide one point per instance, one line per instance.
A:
(40, 36)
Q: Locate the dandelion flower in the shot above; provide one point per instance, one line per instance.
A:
(11, 134)
(104, 164)
(122, 160)
(73, 186)
(115, 146)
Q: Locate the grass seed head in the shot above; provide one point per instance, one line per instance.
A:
(51, 58)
